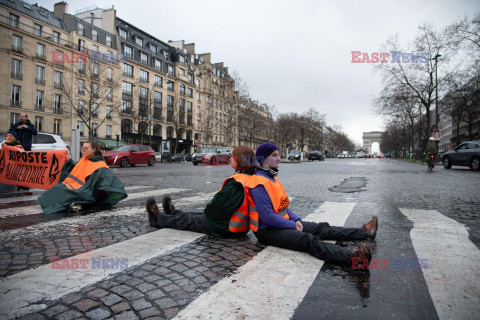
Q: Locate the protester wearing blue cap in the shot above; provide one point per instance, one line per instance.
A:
(11, 139)
(279, 226)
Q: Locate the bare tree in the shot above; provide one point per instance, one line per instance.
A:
(90, 92)
(418, 71)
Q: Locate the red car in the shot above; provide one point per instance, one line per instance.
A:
(130, 154)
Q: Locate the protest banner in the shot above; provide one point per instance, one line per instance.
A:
(35, 169)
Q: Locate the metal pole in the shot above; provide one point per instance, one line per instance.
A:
(436, 90)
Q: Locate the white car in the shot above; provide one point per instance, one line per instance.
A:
(46, 141)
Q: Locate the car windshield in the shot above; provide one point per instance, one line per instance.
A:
(208, 150)
(121, 149)
(294, 153)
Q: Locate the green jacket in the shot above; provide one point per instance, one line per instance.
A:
(101, 189)
(431, 148)
(219, 210)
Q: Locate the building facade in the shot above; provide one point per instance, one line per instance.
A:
(99, 73)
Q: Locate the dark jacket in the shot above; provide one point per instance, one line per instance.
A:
(101, 189)
(25, 135)
(431, 148)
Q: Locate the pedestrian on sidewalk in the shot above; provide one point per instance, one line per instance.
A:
(279, 226)
(88, 184)
(225, 216)
(183, 155)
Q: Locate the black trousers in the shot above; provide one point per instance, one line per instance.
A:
(181, 220)
(310, 240)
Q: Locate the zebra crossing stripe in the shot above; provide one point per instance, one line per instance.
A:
(453, 273)
(36, 209)
(271, 285)
(24, 292)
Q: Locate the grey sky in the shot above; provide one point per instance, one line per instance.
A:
(292, 54)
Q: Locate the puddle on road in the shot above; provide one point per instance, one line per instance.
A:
(353, 184)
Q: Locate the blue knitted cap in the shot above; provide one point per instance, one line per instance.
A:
(264, 151)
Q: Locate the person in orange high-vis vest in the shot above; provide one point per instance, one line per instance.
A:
(279, 226)
(88, 184)
(230, 214)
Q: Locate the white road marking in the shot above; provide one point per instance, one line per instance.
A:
(36, 209)
(23, 292)
(271, 285)
(453, 274)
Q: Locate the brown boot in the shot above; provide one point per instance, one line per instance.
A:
(371, 228)
(360, 258)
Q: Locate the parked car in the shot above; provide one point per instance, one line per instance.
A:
(46, 141)
(212, 155)
(465, 154)
(130, 154)
(294, 155)
(316, 155)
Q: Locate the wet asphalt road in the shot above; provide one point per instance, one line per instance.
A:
(379, 187)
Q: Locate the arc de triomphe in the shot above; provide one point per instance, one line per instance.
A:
(369, 138)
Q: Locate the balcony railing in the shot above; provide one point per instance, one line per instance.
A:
(15, 103)
(16, 75)
(41, 56)
(57, 110)
(39, 107)
(57, 85)
(17, 49)
(40, 81)
(127, 110)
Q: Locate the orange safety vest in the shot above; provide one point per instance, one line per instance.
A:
(246, 216)
(275, 191)
(84, 168)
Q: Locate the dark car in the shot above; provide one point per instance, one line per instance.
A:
(294, 155)
(316, 155)
(212, 155)
(465, 154)
(130, 154)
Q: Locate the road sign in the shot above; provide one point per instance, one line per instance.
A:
(436, 134)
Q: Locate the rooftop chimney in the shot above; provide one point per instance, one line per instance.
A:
(60, 9)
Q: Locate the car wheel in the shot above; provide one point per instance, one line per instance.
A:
(446, 163)
(195, 163)
(132, 165)
(214, 160)
(151, 162)
(475, 164)
(124, 162)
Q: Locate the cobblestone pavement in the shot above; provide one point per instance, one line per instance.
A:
(163, 286)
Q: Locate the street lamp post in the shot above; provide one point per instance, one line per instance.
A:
(436, 90)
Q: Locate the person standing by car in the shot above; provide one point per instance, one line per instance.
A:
(431, 149)
(281, 227)
(225, 216)
(184, 151)
(89, 183)
(25, 130)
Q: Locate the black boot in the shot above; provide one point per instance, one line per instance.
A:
(168, 207)
(152, 209)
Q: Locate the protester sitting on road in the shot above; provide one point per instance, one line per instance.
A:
(225, 216)
(279, 226)
(89, 184)
(11, 140)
